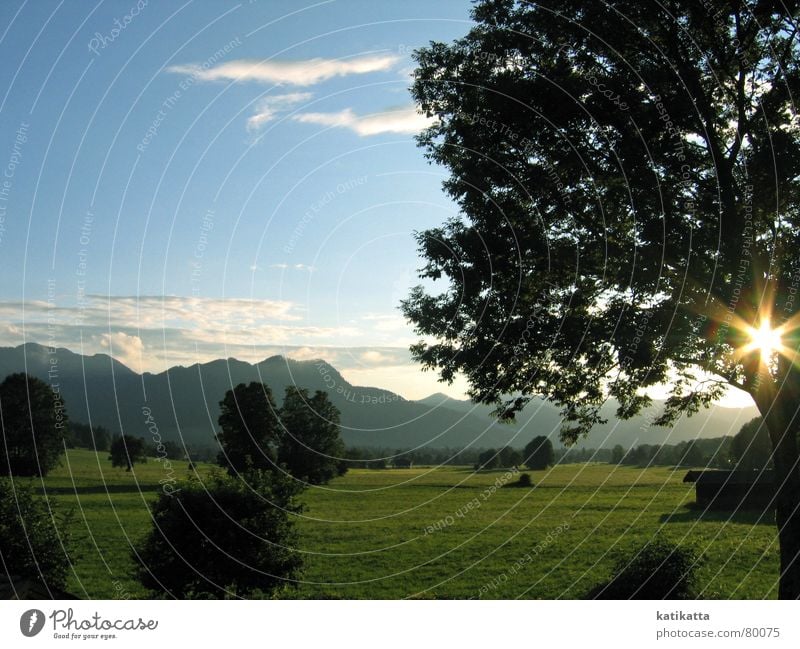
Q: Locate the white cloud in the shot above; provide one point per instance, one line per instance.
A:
(299, 73)
(373, 357)
(270, 107)
(127, 349)
(404, 120)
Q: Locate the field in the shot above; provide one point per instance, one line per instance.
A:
(440, 533)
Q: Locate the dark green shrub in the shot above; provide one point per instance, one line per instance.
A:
(31, 546)
(227, 537)
(659, 570)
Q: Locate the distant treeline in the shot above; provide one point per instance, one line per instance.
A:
(748, 449)
(375, 457)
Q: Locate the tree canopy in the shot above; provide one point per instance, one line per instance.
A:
(126, 451)
(539, 453)
(249, 428)
(311, 447)
(34, 425)
(627, 178)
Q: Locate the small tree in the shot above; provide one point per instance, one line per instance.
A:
(510, 457)
(127, 450)
(31, 545)
(489, 459)
(311, 446)
(250, 429)
(34, 423)
(617, 453)
(751, 448)
(539, 453)
(229, 536)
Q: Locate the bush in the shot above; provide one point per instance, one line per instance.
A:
(659, 570)
(524, 480)
(230, 536)
(30, 544)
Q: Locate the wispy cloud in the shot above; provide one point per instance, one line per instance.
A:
(404, 120)
(270, 107)
(298, 73)
(305, 267)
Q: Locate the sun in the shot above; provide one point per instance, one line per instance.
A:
(765, 339)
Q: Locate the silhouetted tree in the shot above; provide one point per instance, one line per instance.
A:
(488, 459)
(34, 426)
(127, 450)
(692, 455)
(751, 447)
(311, 446)
(617, 453)
(34, 537)
(630, 214)
(250, 429)
(226, 536)
(510, 457)
(539, 453)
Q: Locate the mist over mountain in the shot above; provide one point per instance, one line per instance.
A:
(184, 402)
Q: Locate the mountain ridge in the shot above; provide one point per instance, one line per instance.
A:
(184, 403)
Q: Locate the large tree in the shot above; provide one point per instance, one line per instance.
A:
(249, 428)
(34, 426)
(311, 445)
(627, 176)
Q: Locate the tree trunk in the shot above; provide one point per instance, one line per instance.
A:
(779, 404)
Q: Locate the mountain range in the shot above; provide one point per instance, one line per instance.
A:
(184, 403)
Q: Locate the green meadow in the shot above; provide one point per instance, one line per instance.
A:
(438, 532)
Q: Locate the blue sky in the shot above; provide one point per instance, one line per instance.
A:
(190, 181)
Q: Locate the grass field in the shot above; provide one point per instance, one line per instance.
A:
(412, 532)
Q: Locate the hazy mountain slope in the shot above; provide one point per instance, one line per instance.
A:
(184, 402)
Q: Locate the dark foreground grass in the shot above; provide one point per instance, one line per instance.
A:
(443, 533)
